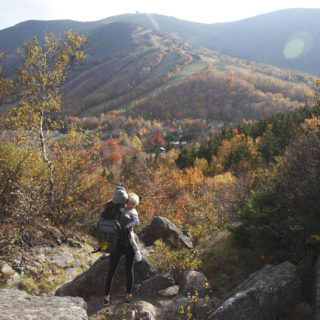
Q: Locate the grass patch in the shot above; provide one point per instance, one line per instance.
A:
(28, 284)
(50, 280)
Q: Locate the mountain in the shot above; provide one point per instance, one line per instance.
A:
(150, 73)
(286, 38)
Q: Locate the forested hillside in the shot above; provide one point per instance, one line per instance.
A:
(228, 96)
(149, 73)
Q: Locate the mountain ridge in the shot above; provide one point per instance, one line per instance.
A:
(265, 38)
(242, 38)
(130, 66)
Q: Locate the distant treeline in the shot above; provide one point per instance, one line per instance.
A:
(274, 134)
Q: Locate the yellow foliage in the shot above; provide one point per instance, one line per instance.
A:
(313, 123)
(219, 162)
(215, 167)
(201, 164)
(44, 71)
(223, 180)
(136, 143)
(176, 262)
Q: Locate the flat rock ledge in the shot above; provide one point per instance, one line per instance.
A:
(16, 304)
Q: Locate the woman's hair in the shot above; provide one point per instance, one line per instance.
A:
(111, 210)
(133, 199)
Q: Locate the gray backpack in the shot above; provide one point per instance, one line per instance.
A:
(109, 233)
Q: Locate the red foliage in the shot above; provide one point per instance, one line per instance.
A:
(114, 143)
(115, 157)
(157, 140)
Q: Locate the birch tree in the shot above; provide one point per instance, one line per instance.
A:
(41, 76)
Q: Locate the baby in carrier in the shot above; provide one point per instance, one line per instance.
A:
(132, 214)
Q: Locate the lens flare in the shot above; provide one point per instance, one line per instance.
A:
(298, 45)
(294, 48)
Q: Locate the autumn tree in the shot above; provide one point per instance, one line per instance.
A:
(6, 85)
(44, 71)
(68, 184)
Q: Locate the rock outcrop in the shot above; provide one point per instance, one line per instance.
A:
(193, 300)
(267, 294)
(92, 282)
(18, 305)
(194, 283)
(161, 228)
(153, 285)
(90, 285)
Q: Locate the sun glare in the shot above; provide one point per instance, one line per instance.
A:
(298, 45)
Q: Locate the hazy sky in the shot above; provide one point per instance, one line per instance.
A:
(206, 11)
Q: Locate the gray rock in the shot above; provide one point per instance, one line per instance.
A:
(70, 274)
(267, 294)
(317, 291)
(194, 283)
(18, 305)
(161, 228)
(6, 269)
(92, 282)
(169, 292)
(62, 259)
(14, 281)
(145, 311)
(141, 310)
(152, 285)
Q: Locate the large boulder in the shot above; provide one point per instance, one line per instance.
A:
(194, 283)
(92, 282)
(267, 294)
(161, 228)
(153, 285)
(16, 304)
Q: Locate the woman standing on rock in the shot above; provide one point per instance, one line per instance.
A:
(114, 208)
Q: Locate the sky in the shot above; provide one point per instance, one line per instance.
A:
(205, 11)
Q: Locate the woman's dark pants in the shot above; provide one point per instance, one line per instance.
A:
(114, 261)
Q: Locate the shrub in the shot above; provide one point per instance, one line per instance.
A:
(175, 262)
(21, 176)
(79, 187)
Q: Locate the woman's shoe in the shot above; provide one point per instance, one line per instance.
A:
(106, 300)
(128, 298)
